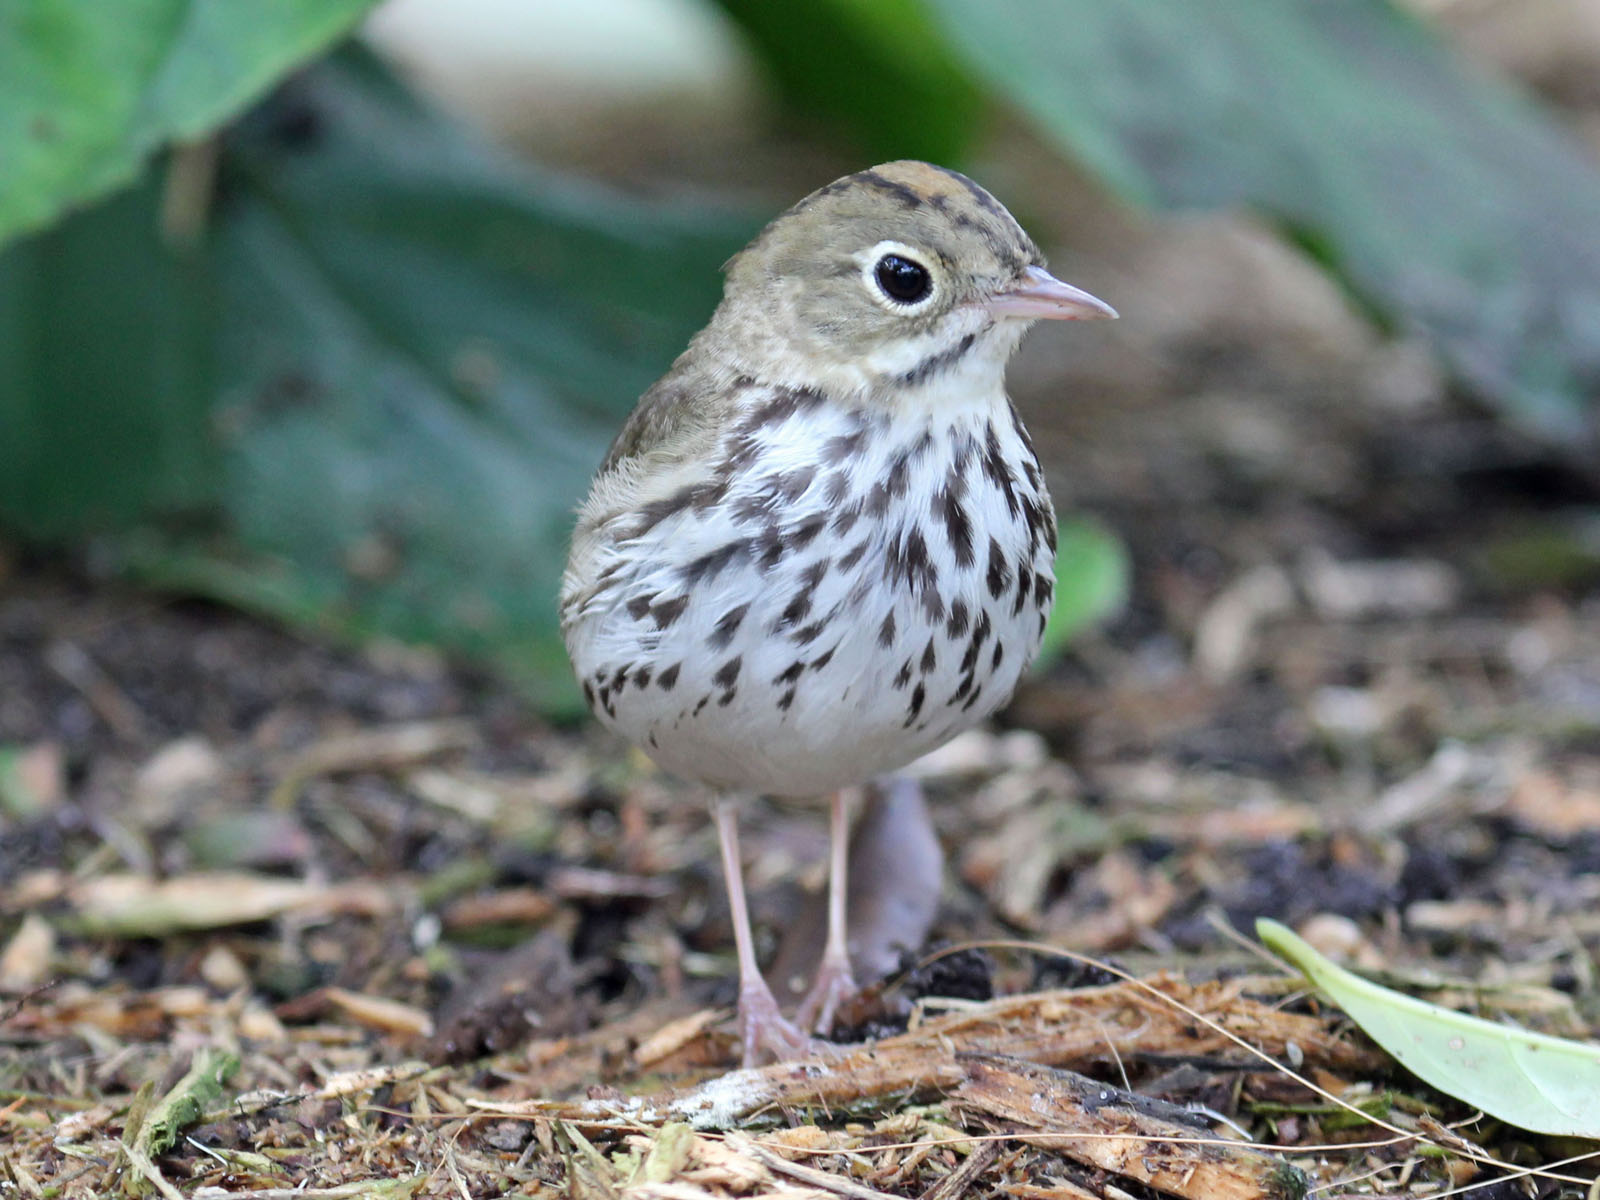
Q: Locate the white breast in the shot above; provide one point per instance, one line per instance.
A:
(850, 592)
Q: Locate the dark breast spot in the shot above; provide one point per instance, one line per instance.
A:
(841, 447)
(807, 634)
(696, 495)
(959, 617)
(727, 625)
(957, 525)
(668, 611)
(918, 695)
(997, 471)
(709, 565)
(771, 545)
(1024, 587)
(798, 608)
(807, 531)
(999, 577)
(791, 485)
(784, 403)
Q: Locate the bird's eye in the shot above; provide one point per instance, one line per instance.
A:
(903, 280)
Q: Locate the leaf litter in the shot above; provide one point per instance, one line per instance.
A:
(255, 1033)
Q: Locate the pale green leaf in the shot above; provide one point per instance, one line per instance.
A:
(1549, 1085)
(88, 91)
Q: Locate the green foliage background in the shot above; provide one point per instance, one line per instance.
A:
(270, 330)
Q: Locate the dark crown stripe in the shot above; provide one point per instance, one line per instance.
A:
(906, 195)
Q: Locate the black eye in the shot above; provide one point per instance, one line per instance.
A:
(903, 280)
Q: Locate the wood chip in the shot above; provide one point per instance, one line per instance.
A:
(1118, 1131)
(674, 1036)
(25, 961)
(131, 905)
(381, 1013)
(521, 905)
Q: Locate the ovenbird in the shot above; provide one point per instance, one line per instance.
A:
(822, 545)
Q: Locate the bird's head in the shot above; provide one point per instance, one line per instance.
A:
(902, 277)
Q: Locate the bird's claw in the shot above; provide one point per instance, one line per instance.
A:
(763, 1029)
(833, 986)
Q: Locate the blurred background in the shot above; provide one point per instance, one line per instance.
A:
(323, 312)
(334, 329)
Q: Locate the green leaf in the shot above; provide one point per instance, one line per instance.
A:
(106, 374)
(1546, 1084)
(190, 1098)
(370, 399)
(1092, 578)
(878, 68)
(88, 92)
(1446, 201)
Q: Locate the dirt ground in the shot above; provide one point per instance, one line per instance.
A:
(279, 919)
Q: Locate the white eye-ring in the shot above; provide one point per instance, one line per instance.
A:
(898, 276)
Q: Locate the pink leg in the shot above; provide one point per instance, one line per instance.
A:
(762, 1026)
(834, 983)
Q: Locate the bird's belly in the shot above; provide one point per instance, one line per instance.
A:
(803, 653)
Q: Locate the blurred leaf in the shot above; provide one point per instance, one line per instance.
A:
(1546, 1084)
(1446, 201)
(1092, 573)
(879, 68)
(106, 374)
(32, 780)
(370, 399)
(88, 93)
(1548, 550)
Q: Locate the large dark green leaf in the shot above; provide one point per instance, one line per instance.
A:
(87, 91)
(878, 68)
(371, 397)
(106, 374)
(1448, 203)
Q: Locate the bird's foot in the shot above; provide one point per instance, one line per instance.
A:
(833, 986)
(765, 1031)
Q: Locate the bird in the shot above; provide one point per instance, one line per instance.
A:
(822, 545)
